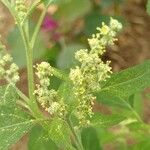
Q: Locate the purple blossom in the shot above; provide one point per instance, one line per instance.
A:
(49, 24)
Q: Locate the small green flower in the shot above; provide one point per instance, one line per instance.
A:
(104, 30)
(9, 70)
(88, 77)
(48, 98)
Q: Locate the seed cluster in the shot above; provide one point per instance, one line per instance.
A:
(88, 77)
(48, 98)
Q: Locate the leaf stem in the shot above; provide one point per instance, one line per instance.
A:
(23, 96)
(24, 106)
(37, 28)
(135, 114)
(19, 92)
(133, 111)
(77, 140)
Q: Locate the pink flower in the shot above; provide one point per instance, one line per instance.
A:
(49, 24)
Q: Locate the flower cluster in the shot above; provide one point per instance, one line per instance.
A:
(88, 77)
(21, 10)
(8, 69)
(48, 98)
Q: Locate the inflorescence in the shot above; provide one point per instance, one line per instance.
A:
(48, 98)
(8, 69)
(86, 78)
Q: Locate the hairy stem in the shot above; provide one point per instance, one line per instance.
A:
(29, 57)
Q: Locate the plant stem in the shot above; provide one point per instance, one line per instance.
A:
(29, 58)
(37, 28)
(76, 138)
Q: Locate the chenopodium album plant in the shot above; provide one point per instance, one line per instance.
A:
(71, 121)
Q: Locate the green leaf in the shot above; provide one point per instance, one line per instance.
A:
(90, 139)
(65, 92)
(136, 102)
(39, 140)
(66, 58)
(148, 7)
(106, 120)
(105, 135)
(144, 145)
(111, 100)
(59, 132)
(137, 126)
(140, 132)
(72, 9)
(14, 123)
(18, 50)
(131, 100)
(8, 96)
(129, 81)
